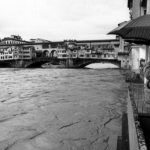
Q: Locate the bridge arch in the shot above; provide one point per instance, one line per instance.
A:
(5, 65)
(37, 64)
(53, 53)
(45, 53)
(85, 63)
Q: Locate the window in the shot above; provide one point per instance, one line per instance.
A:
(53, 45)
(81, 55)
(26, 56)
(64, 55)
(45, 46)
(116, 45)
(63, 51)
(26, 48)
(88, 51)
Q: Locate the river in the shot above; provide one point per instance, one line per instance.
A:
(61, 109)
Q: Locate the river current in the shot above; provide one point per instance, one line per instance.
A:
(61, 109)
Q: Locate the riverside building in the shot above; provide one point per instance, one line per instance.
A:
(138, 52)
(106, 49)
(67, 49)
(17, 52)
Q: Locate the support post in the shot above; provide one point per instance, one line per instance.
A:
(135, 63)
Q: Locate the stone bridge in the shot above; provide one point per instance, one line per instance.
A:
(19, 63)
(68, 63)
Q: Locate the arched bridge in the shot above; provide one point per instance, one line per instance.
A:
(81, 63)
(38, 62)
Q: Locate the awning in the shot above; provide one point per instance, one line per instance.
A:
(138, 28)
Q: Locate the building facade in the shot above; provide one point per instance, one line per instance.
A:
(138, 8)
(105, 49)
(17, 52)
(71, 49)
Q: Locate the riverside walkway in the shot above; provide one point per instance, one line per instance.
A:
(138, 118)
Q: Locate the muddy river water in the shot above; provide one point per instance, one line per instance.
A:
(61, 109)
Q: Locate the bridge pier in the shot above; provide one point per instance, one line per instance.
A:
(124, 59)
(69, 63)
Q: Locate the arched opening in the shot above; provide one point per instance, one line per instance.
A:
(45, 53)
(98, 64)
(102, 66)
(53, 53)
(37, 64)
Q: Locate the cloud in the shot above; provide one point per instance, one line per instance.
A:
(61, 19)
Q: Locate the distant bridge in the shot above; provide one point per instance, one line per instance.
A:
(69, 63)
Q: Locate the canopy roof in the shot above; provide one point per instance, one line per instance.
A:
(138, 28)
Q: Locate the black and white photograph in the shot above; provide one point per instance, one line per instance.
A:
(75, 75)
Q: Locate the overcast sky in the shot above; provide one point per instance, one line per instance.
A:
(56, 20)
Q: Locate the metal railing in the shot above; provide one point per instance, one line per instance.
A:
(138, 96)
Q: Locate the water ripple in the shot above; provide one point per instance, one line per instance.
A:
(61, 109)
